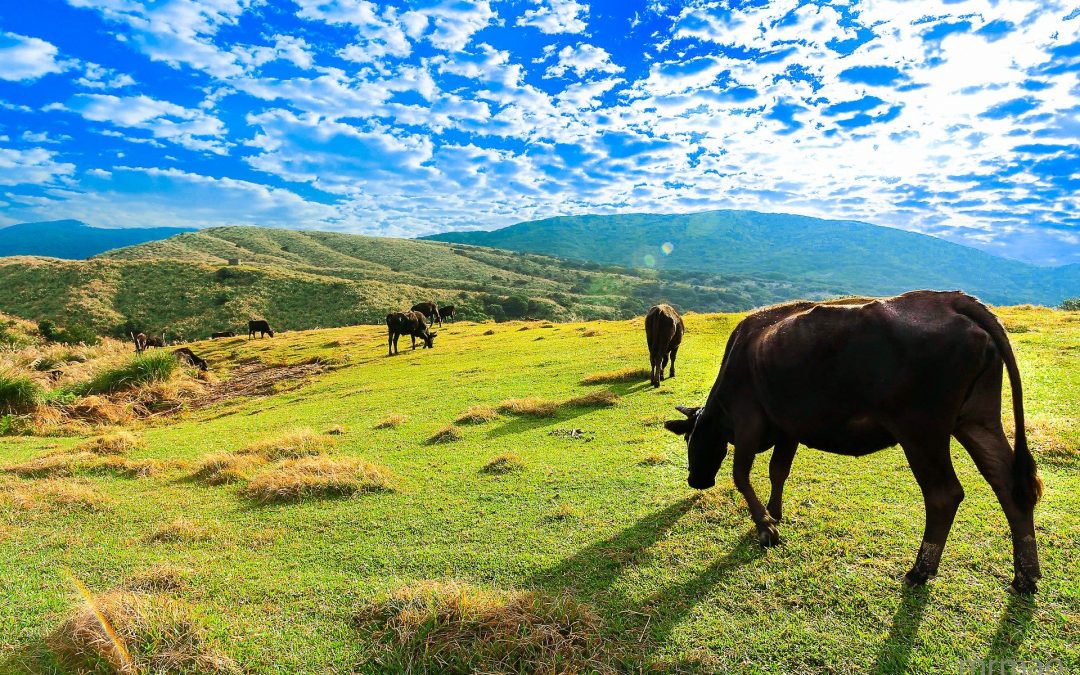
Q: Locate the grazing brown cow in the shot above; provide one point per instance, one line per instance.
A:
(411, 324)
(446, 312)
(140, 340)
(187, 356)
(222, 334)
(430, 311)
(853, 377)
(261, 327)
(663, 331)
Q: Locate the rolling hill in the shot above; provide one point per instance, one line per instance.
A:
(864, 258)
(75, 240)
(306, 279)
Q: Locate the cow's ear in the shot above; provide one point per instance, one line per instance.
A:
(434, 334)
(680, 427)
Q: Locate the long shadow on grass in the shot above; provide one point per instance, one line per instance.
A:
(519, 423)
(1015, 623)
(895, 652)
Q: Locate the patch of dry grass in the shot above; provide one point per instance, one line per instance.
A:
(319, 476)
(118, 443)
(76, 463)
(223, 468)
(447, 626)
(391, 421)
(126, 632)
(293, 445)
(336, 430)
(617, 376)
(1054, 439)
(489, 331)
(54, 495)
(595, 399)
(592, 332)
(562, 512)
(478, 414)
(447, 434)
(530, 406)
(503, 464)
(653, 459)
(160, 578)
(179, 530)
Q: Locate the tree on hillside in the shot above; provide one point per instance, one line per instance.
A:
(1071, 304)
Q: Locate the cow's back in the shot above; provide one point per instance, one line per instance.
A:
(662, 327)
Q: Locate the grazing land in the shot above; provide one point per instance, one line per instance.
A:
(506, 501)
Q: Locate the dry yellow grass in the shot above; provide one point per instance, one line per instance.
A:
(489, 331)
(592, 332)
(223, 468)
(1054, 439)
(295, 444)
(319, 476)
(447, 626)
(503, 464)
(75, 463)
(390, 421)
(336, 430)
(531, 406)
(617, 376)
(653, 459)
(447, 434)
(478, 414)
(118, 443)
(161, 578)
(150, 633)
(179, 530)
(595, 399)
(54, 494)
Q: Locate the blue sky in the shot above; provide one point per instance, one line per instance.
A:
(954, 118)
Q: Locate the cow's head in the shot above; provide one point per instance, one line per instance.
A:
(270, 333)
(429, 340)
(706, 445)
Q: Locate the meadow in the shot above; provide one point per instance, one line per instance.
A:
(506, 501)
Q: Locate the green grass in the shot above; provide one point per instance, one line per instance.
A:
(670, 578)
(18, 394)
(149, 367)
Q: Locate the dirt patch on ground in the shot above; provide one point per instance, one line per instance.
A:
(258, 379)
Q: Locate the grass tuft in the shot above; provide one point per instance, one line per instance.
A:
(653, 459)
(320, 476)
(335, 430)
(489, 331)
(118, 443)
(592, 332)
(18, 394)
(142, 369)
(179, 530)
(478, 414)
(617, 376)
(440, 626)
(224, 468)
(390, 422)
(595, 399)
(295, 444)
(161, 578)
(503, 464)
(529, 406)
(447, 434)
(76, 463)
(127, 632)
(54, 495)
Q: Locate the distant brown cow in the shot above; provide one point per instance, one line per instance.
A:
(664, 332)
(140, 342)
(446, 312)
(411, 324)
(187, 356)
(430, 311)
(259, 326)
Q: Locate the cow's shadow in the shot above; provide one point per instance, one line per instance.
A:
(895, 652)
(1016, 621)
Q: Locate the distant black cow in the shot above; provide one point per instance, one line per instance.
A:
(261, 327)
(856, 376)
(430, 311)
(140, 340)
(411, 324)
(664, 332)
(446, 312)
(187, 356)
(156, 341)
(223, 334)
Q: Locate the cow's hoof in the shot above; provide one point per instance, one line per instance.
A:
(768, 535)
(1023, 585)
(917, 578)
(656, 384)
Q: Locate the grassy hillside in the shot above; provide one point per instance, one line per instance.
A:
(73, 239)
(296, 280)
(864, 258)
(582, 549)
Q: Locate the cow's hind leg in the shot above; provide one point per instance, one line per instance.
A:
(674, 353)
(779, 468)
(928, 455)
(657, 374)
(988, 446)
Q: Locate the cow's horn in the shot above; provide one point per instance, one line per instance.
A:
(689, 412)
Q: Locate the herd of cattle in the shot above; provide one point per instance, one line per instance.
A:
(848, 377)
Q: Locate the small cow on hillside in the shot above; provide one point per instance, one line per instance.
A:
(261, 327)
(222, 334)
(430, 311)
(446, 312)
(855, 376)
(411, 324)
(142, 341)
(664, 332)
(187, 356)
(154, 341)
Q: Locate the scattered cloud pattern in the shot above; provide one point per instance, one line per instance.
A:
(959, 118)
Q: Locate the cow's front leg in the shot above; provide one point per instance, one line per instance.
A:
(767, 534)
(779, 468)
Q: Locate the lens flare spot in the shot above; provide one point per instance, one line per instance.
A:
(667, 247)
(650, 261)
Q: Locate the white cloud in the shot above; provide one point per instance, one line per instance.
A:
(100, 77)
(581, 59)
(24, 58)
(33, 166)
(556, 16)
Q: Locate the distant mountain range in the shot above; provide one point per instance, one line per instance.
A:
(863, 258)
(75, 240)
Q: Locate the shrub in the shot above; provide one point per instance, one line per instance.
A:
(453, 627)
(72, 335)
(141, 369)
(502, 464)
(298, 443)
(18, 394)
(319, 476)
(1071, 305)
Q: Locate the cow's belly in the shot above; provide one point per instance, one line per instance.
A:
(857, 436)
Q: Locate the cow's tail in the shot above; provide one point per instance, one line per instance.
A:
(1027, 486)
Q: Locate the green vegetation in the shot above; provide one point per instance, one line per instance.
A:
(589, 553)
(1071, 305)
(862, 258)
(185, 287)
(18, 394)
(141, 369)
(74, 334)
